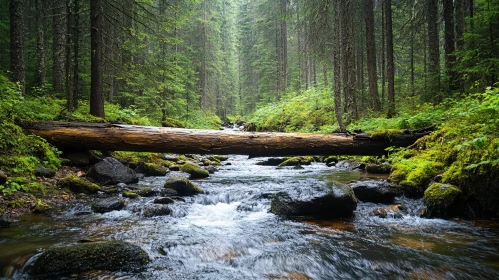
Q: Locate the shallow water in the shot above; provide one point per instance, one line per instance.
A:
(228, 233)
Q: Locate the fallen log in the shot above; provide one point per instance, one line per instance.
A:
(119, 137)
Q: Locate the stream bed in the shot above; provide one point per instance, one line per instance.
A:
(228, 233)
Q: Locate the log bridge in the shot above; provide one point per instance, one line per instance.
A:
(120, 137)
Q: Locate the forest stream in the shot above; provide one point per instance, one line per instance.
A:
(228, 233)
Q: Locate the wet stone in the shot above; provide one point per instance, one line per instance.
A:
(108, 205)
(156, 210)
(163, 200)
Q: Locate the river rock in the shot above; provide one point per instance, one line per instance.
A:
(194, 171)
(112, 256)
(211, 169)
(78, 185)
(383, 168)
(108, 205)
(443, 200)
(3, 177)
(336, 200)
(182, 186)
(271, 162)
(375, 191)
(163, 200)
(171, 158)
(151, 169)
(44, 172)
(174, 168)
(396, 211)
(146, 191)
(168, 192)
(111, 171)
(6, 221)
(156, 210)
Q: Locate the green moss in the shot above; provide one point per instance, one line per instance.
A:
(78, 185)
(169, 122)
(415, 174)
(195, 171)
(152, 169)
(294, 161)
(131, 195)
(182, 185)
(442, 200)
(386, 134)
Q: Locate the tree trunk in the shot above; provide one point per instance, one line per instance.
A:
(69, 88)
(59, 42)
(449, 41)
(112, 137)
(371, 55)
(389, 59)
(76, 47)
(324, 73)
(337, 66)
(284, 45)
(383, 60)
(96, 94)
(433, 50)
(17, 63)
(348, 59)
(41, 57)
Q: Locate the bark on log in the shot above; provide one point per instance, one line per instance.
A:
(119, 137)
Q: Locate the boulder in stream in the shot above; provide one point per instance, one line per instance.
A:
(112, 256)
(194, 171)
(108, 204)
(156, 210)
(111, 171)
(336, 200)
(182, 186)
(78, 185)
(163, 200)
(443, 200)
(377, 191)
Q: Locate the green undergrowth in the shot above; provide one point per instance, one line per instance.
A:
(464, 150)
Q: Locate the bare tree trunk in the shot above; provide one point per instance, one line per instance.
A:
(96, 94)
(389, 56)
(17, 63)
(59, 23)
(371, 55)
(284, 45)
(348, 59)
(69, 89)
(41, 66)
(324, 72)
(449, 42)
(76, 46)
(433, 50)
(383, 61)
(337, 66)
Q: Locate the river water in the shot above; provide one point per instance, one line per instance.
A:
(228, 233)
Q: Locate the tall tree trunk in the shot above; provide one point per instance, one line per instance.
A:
(460, 23)
(324, 72)
(284, 45)
(41, 62)
(96, 94)
(17, 63)
(433, 50)
(389, 57)
(348, 59)
(383, 60)
(413, 92)
(371, 55)
(59, 42)
(76, 47)
(449, 42)
(69, 89)
(337, 66)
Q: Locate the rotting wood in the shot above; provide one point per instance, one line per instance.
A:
(120, 137)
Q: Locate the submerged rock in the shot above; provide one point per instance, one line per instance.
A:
(163, 200)
(113, 256)
(108, 205)
(194, 171)
(443, 200)
(156, 210)
(375, 191)
(111, 171)
(182, 186)
(335, 201)
(396, 211)
(78, 185)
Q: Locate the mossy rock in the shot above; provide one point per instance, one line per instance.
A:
(111, 256)
(132, 195)
(194, 171)
(78, 185)
(443, 200)
(169, 122)
(383, 168)
(294, 161)
(108, 205)
(414, 175)
(182, 185)
(146, 191)
(330, 160)
(151, 169)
